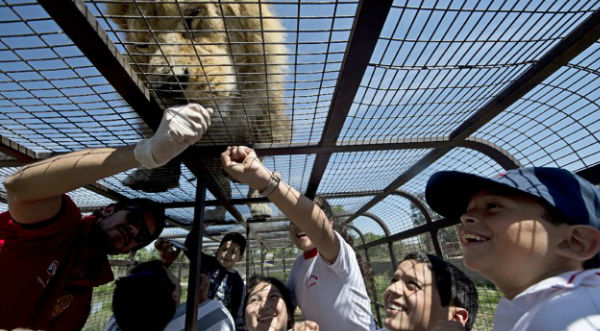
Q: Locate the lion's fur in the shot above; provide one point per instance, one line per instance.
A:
(229, 55)
(224, 51)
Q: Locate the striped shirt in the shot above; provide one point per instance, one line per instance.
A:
(212, 316)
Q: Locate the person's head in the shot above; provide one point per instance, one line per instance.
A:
(231, 250)
(534, 222)
(146, 298)
(268, 305)
(299, 237)
(128, 225)
(425, 290)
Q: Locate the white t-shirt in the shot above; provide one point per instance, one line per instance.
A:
(569, 301)
(333, 295)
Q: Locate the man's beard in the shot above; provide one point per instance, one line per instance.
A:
(101, 240)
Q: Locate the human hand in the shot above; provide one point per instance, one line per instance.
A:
(305, 325)
(179, 128)
(241, 163)
(168, 253)
(449, 326)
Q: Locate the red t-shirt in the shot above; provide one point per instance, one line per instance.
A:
(47, 274)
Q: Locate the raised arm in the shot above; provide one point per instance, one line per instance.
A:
(34, 191)
(242, 164)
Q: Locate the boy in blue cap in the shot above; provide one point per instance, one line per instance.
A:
(534, 232)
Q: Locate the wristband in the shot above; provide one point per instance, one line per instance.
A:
(273, 183)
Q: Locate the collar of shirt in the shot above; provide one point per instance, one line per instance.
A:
(310, 254)
(509, 312)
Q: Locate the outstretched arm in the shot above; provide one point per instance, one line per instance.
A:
(34, 191)
(242, 164)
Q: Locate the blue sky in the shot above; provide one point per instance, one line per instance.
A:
(434, 65)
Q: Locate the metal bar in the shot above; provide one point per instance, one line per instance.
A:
(247, 253)
(191, 312)
(578, 40)
(373, 289)
(403, 178)
(81, 26)
(584, 35)
(199, 169)
(493, 151)
(387, 233)
(11, 163)
(368, 23)
(427, 227)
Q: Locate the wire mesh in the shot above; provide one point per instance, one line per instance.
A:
(271, 74)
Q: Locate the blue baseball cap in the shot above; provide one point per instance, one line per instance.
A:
(449, 192)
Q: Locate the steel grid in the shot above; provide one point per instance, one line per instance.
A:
(478, 88)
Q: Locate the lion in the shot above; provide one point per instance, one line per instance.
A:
(228, 55)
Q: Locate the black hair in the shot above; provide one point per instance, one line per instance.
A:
(454, 286)
(143, 300)
(285, 294)
(236, 238)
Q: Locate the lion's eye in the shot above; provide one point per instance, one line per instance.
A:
(190, 17)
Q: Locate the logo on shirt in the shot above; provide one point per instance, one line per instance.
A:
(52, 268)
(311, 281)
(51, 271)
(62, 304)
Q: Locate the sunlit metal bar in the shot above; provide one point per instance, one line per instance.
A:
(369, 21)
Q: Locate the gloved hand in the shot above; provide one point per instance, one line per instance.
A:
(180, 127)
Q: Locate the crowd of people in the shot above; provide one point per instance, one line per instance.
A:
(533, 232)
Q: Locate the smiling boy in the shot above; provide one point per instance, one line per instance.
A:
(226, 284)
(534, 232)
(426, 292)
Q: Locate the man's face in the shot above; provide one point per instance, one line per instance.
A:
(499, 235)
(300, 238)
(266, 309)
(229, 254)
(124, 230)
(412, 300)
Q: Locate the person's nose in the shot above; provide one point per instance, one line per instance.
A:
(395, 290)
(264, 306)
(470, 216)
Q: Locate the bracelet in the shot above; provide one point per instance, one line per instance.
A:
(273, 183)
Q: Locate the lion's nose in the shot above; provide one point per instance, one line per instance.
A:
(172, 86)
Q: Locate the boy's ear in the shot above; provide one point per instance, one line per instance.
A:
(582, 243)
(458, 314)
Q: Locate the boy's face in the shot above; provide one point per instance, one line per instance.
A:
(229, 254)
(412, 301)
(504, 236)
(266, 309)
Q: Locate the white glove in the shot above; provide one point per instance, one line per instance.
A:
(179, 128)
